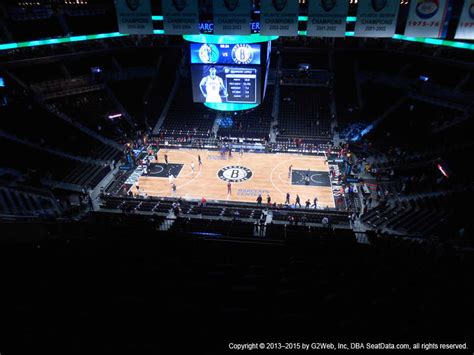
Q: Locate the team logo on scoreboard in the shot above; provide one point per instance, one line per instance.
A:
(242, 54)
(179, 4)
(379, 5)
(279, 5)
(208, 53)
(234, 173)
(426, 9)
(231, 5)
(328, 5)
(133, 5)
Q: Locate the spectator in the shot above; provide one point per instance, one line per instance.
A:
(291, 219)
(325, 222)
(236, 214)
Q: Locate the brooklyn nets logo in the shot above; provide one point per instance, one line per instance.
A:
(234, 173)
(242, 54)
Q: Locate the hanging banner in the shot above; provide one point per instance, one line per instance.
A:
(466, 22)
(327, 18)
(180, 17)
(231, 17)
(134, 17)
(426, 18)
(279, 17)
(376, 18)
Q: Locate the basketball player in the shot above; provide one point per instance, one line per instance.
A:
(171, 178)
(199, 160)
(211, 86)
(287, 200)
(229, 188)
(166, 159)
(298, 201)
(192, 167)
(289, 171)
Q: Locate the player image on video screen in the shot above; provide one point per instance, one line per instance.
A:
(212, 86)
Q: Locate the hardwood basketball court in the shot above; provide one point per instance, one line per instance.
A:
(250, 174)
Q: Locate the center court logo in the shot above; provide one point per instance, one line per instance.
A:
(426, 9)
(234, 173)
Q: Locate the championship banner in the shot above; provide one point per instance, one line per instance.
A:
(466, 22)
(134, 16)
(376, 18)
(231, 17)
(327, 18)
(426, 18)
(279, 17)
(180, 17)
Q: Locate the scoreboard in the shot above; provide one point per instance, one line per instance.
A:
(241, 85)
(226, 73)
(232, 54)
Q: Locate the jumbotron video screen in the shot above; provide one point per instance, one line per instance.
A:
(226, 73)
